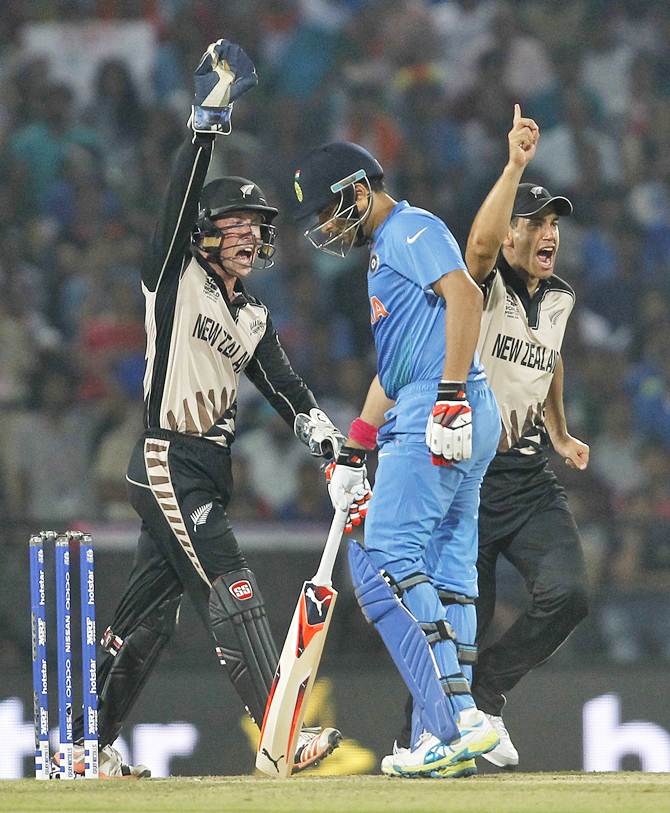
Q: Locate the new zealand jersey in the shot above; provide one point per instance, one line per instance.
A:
(520, 344)
(198, 340)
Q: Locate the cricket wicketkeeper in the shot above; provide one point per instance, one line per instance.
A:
(203, 331)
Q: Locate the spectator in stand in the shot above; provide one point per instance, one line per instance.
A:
(111, 333)
(267, 449)
(39, 148)
(606, 68)
(54, 444)
(117, 114)
(649, 385)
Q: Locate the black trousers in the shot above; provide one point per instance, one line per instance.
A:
(524, 516)
(180, 488)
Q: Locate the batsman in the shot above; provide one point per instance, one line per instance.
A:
(436, 421)
(203, 330)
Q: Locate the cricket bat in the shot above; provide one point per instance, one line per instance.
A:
(299, 662)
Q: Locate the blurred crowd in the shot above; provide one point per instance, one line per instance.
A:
(429, 87)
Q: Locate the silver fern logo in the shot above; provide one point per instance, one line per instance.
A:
(555, 316)
(199, 516)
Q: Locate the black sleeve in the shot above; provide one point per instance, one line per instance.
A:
(179, 210)
(271, 373)
(486, 286)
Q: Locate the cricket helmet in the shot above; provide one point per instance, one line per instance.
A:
(233, 194)
(325, 177)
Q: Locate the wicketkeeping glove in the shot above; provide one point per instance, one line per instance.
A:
(348, 485)
(225, 72)
(319, 434)
(449, 429)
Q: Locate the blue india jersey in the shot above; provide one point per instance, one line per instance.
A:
(410, 251)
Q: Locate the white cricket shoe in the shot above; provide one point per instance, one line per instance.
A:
(110, 765)
(314, 744)
(431, 757)
(504, 755)
(466, 767)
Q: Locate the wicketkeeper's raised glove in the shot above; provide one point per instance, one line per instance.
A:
(348, 485)
(225, 72)
(449, 429)
(318, 433)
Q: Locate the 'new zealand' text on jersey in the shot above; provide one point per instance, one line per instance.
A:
(198, 340)
(411, 250)
(520, 345)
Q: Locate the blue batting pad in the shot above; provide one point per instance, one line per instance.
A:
(425, 606)
(406, 643)
(463, 619)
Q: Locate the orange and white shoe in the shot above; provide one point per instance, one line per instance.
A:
(315, 744)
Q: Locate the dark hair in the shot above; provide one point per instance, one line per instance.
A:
(377, 184)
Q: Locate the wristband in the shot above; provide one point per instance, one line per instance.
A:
(451, 391)
(364, 433)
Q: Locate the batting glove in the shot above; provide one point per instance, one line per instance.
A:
(348, 485)
(225, 72)
(319, 434)
(449, 429)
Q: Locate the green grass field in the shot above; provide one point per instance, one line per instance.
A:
(493, 793)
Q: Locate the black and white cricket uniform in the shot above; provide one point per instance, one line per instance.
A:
(199, 342)
(524, 514)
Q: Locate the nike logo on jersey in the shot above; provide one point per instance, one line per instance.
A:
(416, 236)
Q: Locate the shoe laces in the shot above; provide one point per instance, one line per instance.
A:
(398, 749)
(423, 737)
(307, 734)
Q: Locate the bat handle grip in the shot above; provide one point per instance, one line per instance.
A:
(324, 572)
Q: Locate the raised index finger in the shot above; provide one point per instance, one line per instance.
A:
(517, 113)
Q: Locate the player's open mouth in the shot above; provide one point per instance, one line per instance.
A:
(545, 257)
(244, 255)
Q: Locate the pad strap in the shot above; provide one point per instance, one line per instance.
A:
(440, 630)
(111, 642)
(399, 587)
(455, 684)
(467, 653)
(447, 597)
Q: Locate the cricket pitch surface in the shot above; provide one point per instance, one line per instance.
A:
(501, 793)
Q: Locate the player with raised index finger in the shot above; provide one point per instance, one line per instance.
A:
(524, 514)
(203, 331)
(435, 420)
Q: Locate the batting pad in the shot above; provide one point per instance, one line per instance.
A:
(405, 641)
